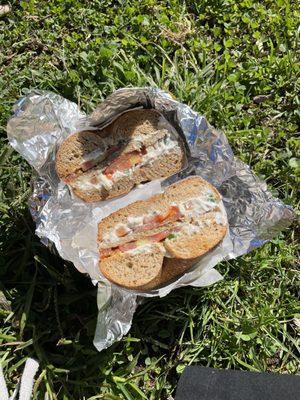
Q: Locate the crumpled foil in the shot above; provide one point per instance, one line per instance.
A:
(42, 120)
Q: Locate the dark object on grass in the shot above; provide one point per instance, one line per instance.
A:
(201, 383)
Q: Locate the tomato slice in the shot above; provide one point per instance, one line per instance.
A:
(161, 217)
(85, 166)
(155, 219)
(172, 214)
(128, 246)
(123, 162)
(158, 237)
(119, 164)
(109, 176)
(146, 227)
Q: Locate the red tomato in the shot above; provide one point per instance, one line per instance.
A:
(150, 219)
(146, 227)
(174, 213)
(161, 217)
(127, 246)
(109, 176)
(123, 162)
(85, 166)
(158, 237)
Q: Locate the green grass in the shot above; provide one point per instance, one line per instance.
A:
(216, 56)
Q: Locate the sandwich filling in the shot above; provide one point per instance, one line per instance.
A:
(181, 218)
(120, 158)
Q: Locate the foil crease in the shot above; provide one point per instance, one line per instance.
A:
(42, 120)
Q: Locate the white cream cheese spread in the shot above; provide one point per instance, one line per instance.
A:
(94, 179)
(188, 209)
(162, 146)
(91, 180)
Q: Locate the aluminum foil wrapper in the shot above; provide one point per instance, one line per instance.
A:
(40, 123)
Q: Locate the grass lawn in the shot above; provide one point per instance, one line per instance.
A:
(217, 56)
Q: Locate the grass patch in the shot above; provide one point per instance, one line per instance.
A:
(217, 56)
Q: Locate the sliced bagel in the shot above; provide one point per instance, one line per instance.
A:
(186, 221)
(139, 146)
